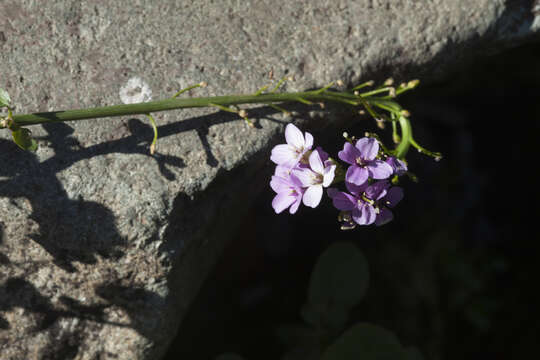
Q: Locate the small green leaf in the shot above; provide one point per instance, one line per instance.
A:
(367, 342)
(338, 282)
(22, 137)
(4, 98)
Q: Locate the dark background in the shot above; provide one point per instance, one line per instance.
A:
(455, 273)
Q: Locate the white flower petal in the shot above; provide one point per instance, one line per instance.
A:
(294, 136)
(313, 195)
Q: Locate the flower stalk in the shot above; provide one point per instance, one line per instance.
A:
(369, 100)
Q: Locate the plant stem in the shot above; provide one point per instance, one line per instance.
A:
(406, 137)
(173, 103)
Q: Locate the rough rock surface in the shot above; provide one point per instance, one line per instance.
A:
(102, 247)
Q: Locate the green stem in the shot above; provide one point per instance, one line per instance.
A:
(154, 127)
(175, 103)
(406, 137)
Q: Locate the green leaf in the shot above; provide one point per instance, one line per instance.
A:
(22, 137)
(338, 282)
(4, 98)
(367, 342)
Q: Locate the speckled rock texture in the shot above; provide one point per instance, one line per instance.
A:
(102, 246)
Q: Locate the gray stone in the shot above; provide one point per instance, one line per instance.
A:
(102, 246)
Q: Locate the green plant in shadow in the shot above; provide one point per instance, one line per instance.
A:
(338, 283)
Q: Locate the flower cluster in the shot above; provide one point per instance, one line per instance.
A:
(301, 173)
(370, 195)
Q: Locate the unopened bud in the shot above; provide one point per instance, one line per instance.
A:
(356, 92)
(438, 158)
(345, 135)
(388, 82)
(243, 113)
(370, 83)
(413, 83)
(392, 92)
(405, 113)
(403, 85)
(4, 123)
(203, 84)
(339, 82)
(321, 105)
(380, 123)
(291, 78)
(361, 112)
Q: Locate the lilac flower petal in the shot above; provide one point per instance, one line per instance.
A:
(384, 217)
(309, 141)
(329, 174)
(355, 189)
(377, 190)
(305, 176)
(364, 216)
(295, 181)
(294, 207)
(282, 171)
(294, 136)
(394, 196)
(349, 154)
(323, 154)
(399, 166)
(284, 154)
(378, 169)
(280, 185)
(313, 195)
(282, 201)
(369, 148)
(341, 200)
(356, 175)
(316, 163)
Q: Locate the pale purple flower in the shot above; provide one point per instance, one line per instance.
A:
(319, 174)
(399, 166)
(288, 188)
(368, 204)
(297, 145)
(364, 164)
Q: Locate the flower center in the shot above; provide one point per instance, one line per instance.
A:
(305, 157)
(360, 161)
(364, 199)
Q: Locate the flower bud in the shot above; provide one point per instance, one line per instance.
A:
(388, 82)
(413, 83)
